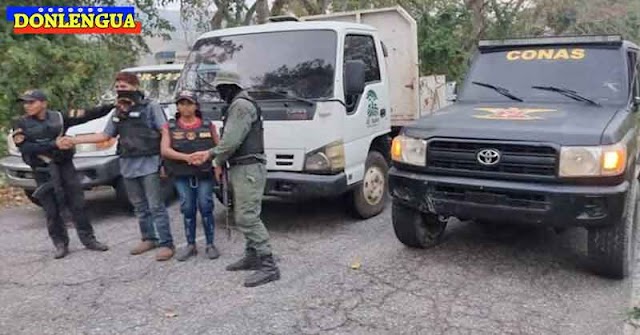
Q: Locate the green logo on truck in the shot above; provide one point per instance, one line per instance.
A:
(373, 112)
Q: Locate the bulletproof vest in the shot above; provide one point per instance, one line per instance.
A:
(137, 135)
(254, 141)
(42, 131)
(189, 141)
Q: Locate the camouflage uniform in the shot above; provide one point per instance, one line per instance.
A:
(242, 146)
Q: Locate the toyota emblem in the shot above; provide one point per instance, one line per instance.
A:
(488, 157)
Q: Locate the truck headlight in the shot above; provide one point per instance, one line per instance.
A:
(94, 147)
(609, 160)
(409, 150)
(328, 159)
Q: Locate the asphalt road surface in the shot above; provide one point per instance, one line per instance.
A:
(480, 281)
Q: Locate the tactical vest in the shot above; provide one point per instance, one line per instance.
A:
(188, 141)
(137, 136)
(253, 143)
(42, 131)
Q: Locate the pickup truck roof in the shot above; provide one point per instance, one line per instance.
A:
(602, 40)
(287, 26)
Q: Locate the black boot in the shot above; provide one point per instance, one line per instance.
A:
(61, 251)
(267, 272)
(250, 261)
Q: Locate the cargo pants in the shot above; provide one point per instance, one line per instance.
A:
(248, 182)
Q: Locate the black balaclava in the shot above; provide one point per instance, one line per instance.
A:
(228, 92)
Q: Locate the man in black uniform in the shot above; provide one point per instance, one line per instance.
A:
(38, 136)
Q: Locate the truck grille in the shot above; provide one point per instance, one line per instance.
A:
(516, 159)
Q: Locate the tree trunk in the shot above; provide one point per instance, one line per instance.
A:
(262, 11)
(278, 6)
(477, 18)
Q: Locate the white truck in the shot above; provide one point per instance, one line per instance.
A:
(331, 89)
(97, 164)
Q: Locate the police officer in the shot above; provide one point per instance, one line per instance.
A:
(242, 148)
(38, 136)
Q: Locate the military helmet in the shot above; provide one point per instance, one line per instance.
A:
(227, 77)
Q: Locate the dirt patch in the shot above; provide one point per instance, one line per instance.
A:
(12, 197)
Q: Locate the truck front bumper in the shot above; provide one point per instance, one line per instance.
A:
(302, 185)
(93, 171)
(509, 202)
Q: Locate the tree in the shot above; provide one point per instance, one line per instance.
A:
(73, 70)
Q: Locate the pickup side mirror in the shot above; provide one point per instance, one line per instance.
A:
(354, 77)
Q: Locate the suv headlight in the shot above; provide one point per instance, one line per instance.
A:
(94, 147)
(328, 159)
(409, 150)
(608, 160)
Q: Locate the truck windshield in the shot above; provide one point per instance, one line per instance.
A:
(298, 63)
(598, 74)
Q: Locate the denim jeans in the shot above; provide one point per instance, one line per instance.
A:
(145, 193)
(196, 193)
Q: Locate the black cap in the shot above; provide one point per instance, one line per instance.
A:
(33, 95)
(187, 95)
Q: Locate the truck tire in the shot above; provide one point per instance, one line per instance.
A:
(31, 198)
(416, 229)
(370, 197)
(612, 248)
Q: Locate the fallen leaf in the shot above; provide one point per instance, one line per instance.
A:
(356, 264)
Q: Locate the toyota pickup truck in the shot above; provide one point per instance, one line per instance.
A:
(543, 132)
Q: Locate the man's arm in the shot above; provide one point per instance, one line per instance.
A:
(236, 129)
(79, 116)
(109, 132)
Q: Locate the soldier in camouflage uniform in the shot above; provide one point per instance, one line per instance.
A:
(242, 148)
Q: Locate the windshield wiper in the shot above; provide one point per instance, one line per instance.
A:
(286, 96)
(500, 90)
(567, 93)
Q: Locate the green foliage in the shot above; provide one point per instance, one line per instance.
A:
(73, 70)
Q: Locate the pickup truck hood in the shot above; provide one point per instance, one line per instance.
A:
(564, 124)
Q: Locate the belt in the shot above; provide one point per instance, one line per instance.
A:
(248, 160)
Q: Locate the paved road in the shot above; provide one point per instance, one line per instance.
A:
(515, 281)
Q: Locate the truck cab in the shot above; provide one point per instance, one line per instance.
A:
(323, 88)
(97, 164)
(544, 132)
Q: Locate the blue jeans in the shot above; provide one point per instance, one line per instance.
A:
(145, 193)
(196, 193)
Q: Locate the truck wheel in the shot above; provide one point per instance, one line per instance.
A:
(612, 248)
(370, 196)
(416, 229)
(31, 198)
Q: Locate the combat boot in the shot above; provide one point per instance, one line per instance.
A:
(61, 251)
(250, 261)
(267, 272)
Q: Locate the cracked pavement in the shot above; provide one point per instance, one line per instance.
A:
(479, 281)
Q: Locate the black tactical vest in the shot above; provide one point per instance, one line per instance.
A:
(137, 136)
(42, 131)
(253, 143)
(189, 141)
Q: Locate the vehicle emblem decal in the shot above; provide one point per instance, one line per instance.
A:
(373, 112)
(488, 157)
(512, 113)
